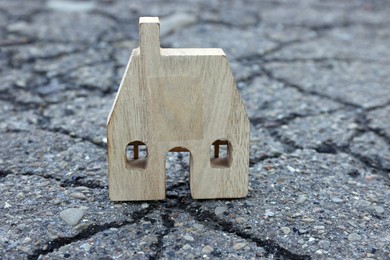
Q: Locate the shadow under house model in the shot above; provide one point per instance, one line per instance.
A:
(180, 100)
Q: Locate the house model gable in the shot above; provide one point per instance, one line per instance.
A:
(176, 100)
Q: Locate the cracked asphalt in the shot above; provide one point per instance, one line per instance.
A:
(315, 80)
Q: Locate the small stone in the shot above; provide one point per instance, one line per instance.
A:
(198, 227)
(72, 216)
(96, 140)
(238, 246)
(81, 188)
(312, 239)
(144, 205)
(362, 203)
(43, 184)
(57, 201)
(301, 199)
(86, 246)
(323, 243)
(81, 226)
(319, 227)
(20, 195)
(337, 200)
(319, 252)
(291, 169)
(219, 210)
(317, 210)
(285, 230)
(308, 220)
(352, 126)
(23, 248)
(189, 238)
(7, 205)
(52, 233)
(78, 195)
(296, 215)
(341, 227)
(372, 198)
(269, 214)
(379, 209)
(187, 247)
(21, 227)
(151, 238)
(207, 249)
(16, 27)
(27, 240)
(354, 237)
(240, 220)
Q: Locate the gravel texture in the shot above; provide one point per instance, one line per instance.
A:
(313, 76)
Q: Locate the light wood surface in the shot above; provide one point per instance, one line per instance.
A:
(177, 100)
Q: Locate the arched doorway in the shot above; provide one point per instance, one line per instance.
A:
(177, 170)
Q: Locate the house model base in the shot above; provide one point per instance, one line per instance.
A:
(176, 100)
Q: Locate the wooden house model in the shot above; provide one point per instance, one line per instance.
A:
(177, 100)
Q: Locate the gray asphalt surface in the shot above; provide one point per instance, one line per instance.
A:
(315, 80)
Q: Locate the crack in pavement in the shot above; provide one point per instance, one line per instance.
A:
(275, 123)
(168, 223)
(364, 127)
(379, 132)
(114, 18)
(323, 28)
(5, 172)
(64, 73)
(377, 107)
(76, 182)
(91, 230)
(272, 248)
(225, 23)
(328, 146)
(259, 57)
(255, 160)
(186, 204)
(368, 162)
(304, 91)
(79, 49)
(324, 59)
(289, 145)
(62, 182)
(15, 42)
(44, 121)
(25, 106)
(73, 136)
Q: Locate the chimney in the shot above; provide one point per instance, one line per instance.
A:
(149, 37)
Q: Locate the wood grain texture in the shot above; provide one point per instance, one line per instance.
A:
(180, 99)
